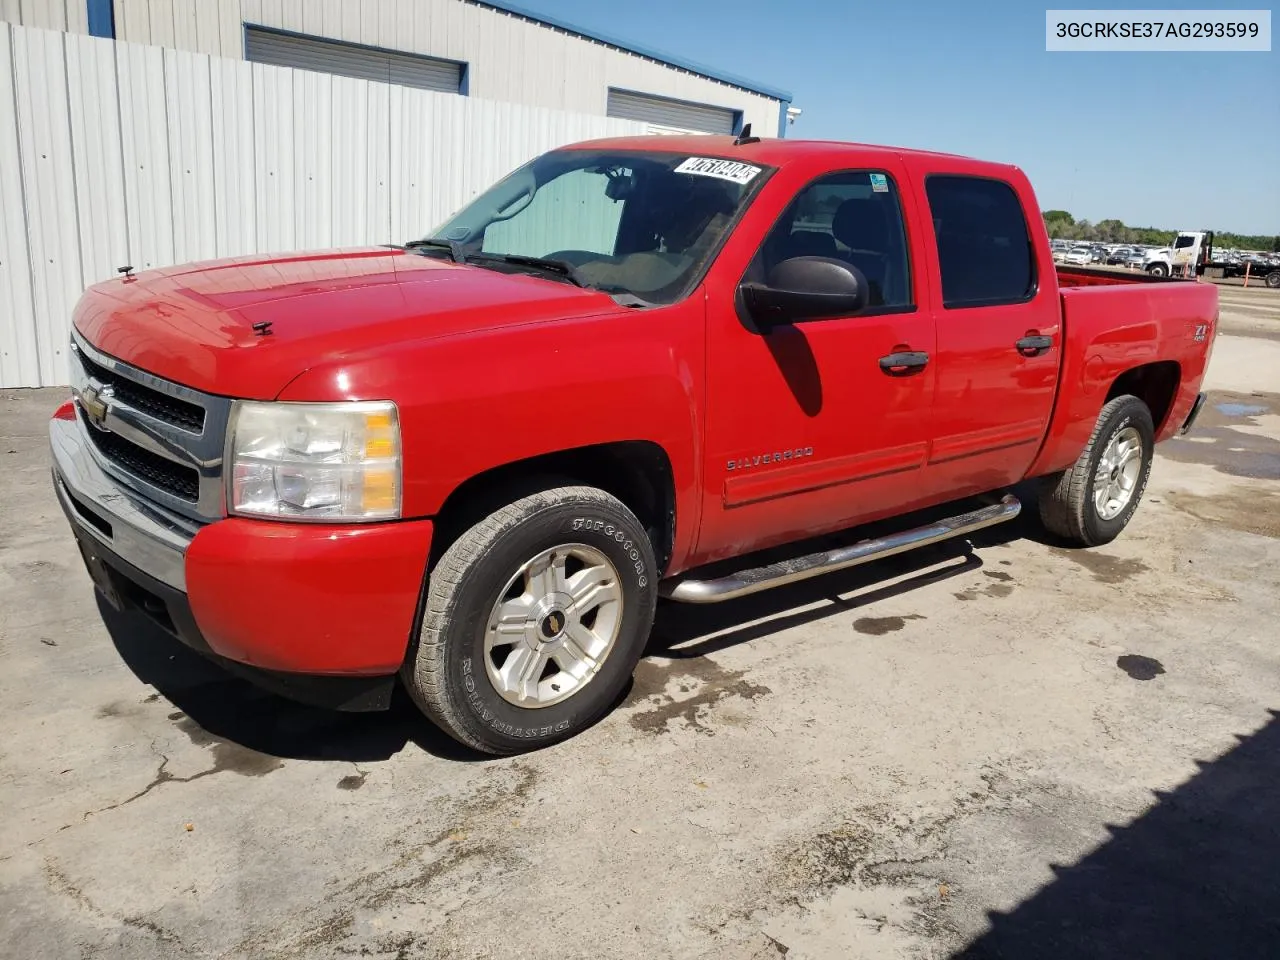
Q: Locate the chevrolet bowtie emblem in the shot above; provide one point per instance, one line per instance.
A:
(95, 399)
(555, 622)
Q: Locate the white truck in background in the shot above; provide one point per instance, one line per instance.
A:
(1192, 255)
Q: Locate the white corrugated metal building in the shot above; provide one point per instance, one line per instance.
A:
(483, 48)
(155, 132)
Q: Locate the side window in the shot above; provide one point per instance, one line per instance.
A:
(1184, 241)
(984, 250)
(851, 216)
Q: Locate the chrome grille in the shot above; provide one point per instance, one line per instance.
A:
(161, 406)
(174, 478)
(158, 438)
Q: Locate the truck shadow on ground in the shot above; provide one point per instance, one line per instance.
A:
(1193, 877)
(226, 708)
(686, 631)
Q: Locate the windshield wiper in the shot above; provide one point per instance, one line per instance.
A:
(561, 268)
(548, 265)
(456, 252)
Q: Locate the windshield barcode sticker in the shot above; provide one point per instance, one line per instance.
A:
(720, 169)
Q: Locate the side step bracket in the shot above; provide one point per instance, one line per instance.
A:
(755, 579)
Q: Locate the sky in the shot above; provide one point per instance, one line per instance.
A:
(1185, 141)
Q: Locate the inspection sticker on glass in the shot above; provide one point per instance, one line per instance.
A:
(720, 169)
(879, 183)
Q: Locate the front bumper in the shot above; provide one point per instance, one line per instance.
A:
(320, 613)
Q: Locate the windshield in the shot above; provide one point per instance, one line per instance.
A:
(639, 223)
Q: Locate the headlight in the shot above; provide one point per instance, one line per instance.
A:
(315, 461)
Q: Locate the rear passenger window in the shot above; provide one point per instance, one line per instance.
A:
(984, 250)
(851, 216)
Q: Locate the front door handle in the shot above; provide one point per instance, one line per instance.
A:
(1033, 346)
(903, 364)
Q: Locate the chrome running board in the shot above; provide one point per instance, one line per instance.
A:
(755, 579)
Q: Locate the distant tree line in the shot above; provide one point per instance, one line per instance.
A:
(1063, 226)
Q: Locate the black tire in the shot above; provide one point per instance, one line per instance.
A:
(445, 670)
(1067, 498)
(1158, 270)
(1273, 280)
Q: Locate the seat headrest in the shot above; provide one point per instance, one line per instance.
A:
(860, 224)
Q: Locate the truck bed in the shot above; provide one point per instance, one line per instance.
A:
(1090, 277)
(1113, 322)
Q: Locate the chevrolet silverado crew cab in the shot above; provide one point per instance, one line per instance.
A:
(476, 462)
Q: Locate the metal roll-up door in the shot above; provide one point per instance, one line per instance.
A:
(671, 114)
(348, 60)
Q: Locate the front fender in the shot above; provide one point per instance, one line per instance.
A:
(474, 402)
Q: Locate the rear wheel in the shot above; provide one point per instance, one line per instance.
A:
(1273, 279)
(534, 621)
(1090, 503)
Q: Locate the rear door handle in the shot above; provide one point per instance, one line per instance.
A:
(1034, 346)
(902, 364)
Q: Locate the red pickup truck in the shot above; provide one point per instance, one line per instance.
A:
(476, 462)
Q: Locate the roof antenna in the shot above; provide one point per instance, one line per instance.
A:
(745, 137)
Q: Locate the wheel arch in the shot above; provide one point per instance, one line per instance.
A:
(1155, 384)
(637, 472)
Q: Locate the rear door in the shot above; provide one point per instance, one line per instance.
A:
(999, 333)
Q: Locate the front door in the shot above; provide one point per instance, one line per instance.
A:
(807, 431)
(999, 337)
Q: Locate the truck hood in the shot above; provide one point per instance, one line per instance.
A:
(195, 324)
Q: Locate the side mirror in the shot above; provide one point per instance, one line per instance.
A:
(805, 288)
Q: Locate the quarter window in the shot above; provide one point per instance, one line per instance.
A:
(851, 216)
(984, 250)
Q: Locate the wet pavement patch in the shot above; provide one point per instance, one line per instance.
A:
(1139, 667)
(227, 756)
(879, 626)
(997, 590)
(1240, 409)
(1242, 508)
(998, 575)
(1105, 567)
(352, 781)
(1221, 438)
(709, 682)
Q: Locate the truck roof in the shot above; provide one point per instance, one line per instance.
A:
(770, 151)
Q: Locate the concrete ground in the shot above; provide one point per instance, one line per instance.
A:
(1004, 749)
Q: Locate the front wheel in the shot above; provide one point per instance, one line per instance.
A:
(1158, 270)
(1090, 503)
(535, 618)
(1273, 280)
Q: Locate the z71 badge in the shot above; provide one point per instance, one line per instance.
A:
(760, 459)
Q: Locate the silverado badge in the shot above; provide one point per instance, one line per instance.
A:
(742, 463)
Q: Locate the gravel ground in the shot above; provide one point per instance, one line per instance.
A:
(995, 749)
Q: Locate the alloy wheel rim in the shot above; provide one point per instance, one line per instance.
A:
(1116, 477)
(553, 626)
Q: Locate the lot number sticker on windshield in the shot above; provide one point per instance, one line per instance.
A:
(720, 169)
(879, 183)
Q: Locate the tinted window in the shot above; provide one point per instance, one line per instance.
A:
(854, 217)
(1184, 241)
(983, 247)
